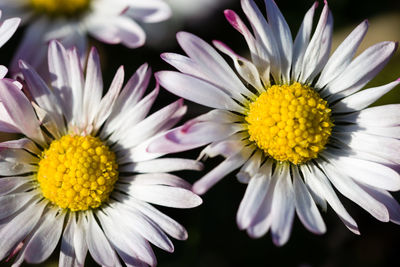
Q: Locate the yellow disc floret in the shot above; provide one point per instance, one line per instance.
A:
(60, 7)
(290, 122)
(77, 172)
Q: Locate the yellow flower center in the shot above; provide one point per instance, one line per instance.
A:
(60, 7)
(290, 122)
(77, 172)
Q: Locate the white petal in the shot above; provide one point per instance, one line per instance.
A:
(10, 204)
(318, 50)
(263, 220)
(20, 110)
(149, 11)
(7, 29)
(192, 135)
(162, 165)
(128, 118)
(43, 96)
(226, 148)
(80, 243)
(393, 132)
(305, 205)
(343, 55)
(76, 83)
(312, 187)
(215, 175)
(23, 143)
(196, 90)
(380, 116)
(131, 247)
(212, 65)
(254, 196)
(3, 71)
(362, 99)
(15, 168)
(67, 251)
(283, 37)
(148, 229)
(9, 184)
(282, 206)
(367, 172)
(113, 29)
(244, 67)
(167, 224)
(59, 68)
(93, 86)
(19, 227)
(127, 105)
(46, 237)
(322, 185)
(167, 196)
(98, 245)
(386, 199)
(351, 190)
(155, 179)
(107, 102)
(149, 126)
(360, 71)
(301, 41)
(257, 52)
(250, 168)
(383, 147)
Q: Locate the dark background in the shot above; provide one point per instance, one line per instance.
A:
(214, 239)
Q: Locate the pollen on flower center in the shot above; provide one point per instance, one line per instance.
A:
(77, 172)
(290, 122)
(60, 7)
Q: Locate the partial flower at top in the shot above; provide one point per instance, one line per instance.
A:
(70, 21)
(7, 29)
(293, 119)
(81, 172)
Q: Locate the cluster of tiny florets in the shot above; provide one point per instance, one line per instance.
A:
(290, 122)
(77, 172)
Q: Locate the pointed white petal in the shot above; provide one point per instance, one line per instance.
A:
(215, 175)
(305, 205)
(318, 50)
(362, 99)
(282, 206)
(98, 245)
(343, 55)
(254, 196)
(46, 237)
(345, 185)
(322, 185)
(301, 41)
(197, 90)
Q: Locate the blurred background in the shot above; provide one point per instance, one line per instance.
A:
(214, 239)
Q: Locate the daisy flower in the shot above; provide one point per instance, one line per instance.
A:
(81, 172)
(70, 21)
(7, 29)
(293, 119)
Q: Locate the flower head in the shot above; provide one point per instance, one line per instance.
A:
(82, 172)
(70, 21)
(292, 118)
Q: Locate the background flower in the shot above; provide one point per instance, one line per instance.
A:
(70, 21)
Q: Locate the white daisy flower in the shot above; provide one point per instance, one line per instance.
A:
(82, 172)
(7, 29)
(293, 119)
(70, 21)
